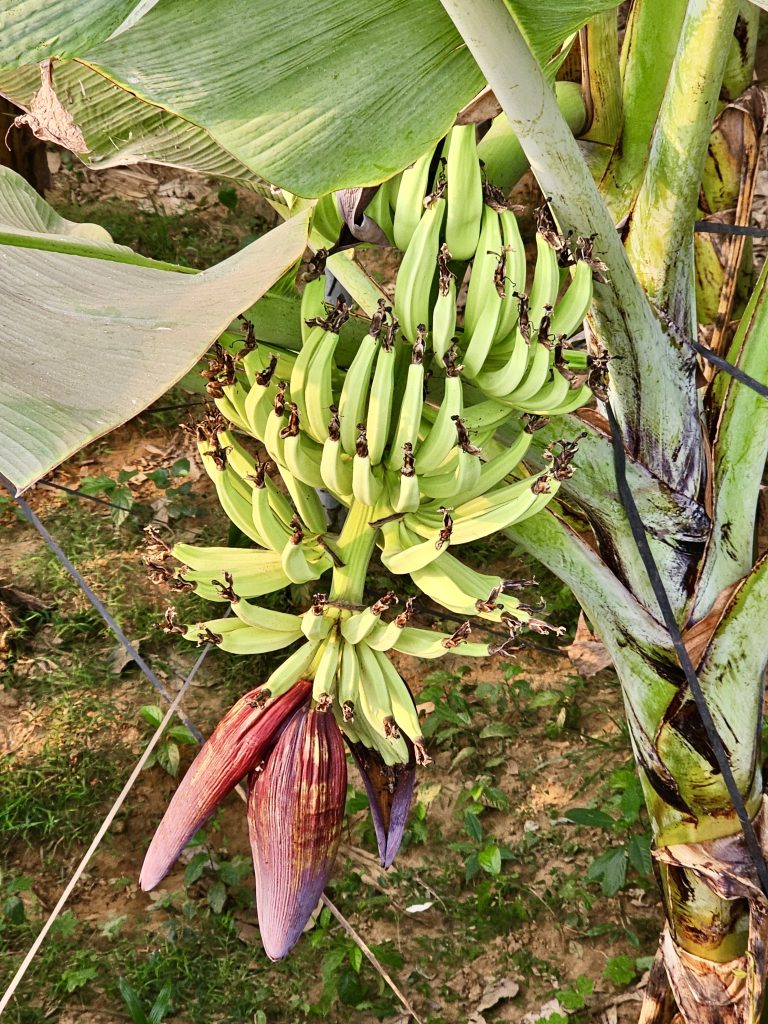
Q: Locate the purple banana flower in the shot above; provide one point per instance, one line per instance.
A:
(295, 760)
(295, 813)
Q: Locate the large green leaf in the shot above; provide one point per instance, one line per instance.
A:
(31, 30)
(87, 342)
(343, 94)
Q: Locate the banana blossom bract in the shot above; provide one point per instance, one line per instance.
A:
(294, 759)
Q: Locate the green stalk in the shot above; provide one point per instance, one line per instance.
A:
(650, 44)
(355, 546)
(659, 238)
(601, 78)
(739, 67)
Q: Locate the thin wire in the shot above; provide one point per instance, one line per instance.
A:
(713, 228)
(718, 748)
(32, 952)
(97, 604)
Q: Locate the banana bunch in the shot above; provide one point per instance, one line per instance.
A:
(398, 427)
(513, 342)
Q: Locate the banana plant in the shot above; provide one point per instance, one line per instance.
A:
(342, 406)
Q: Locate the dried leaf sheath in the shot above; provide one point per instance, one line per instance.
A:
(295, 812)
(238, 744)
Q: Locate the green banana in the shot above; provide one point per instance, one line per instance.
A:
(308, 504)
(461, 589)
(324, 683)
(379, 411)
(441, 438)
(366, 484)
(409, 417)
(481, 338)
(267, 522)
(348, 683)
(292, 669)
(482, 292)
(303, 458)
(464, 192)
(573, 307)
(318, 388)
(444, 311)
(254, 640)
(312, 305)
(408, 496)
(315, 624)
(413, 287)
(403, 706)
(375, 703)
(422, 643)
(354, 391)
(514, 270)
(409, 206)
(296, 564)
(546, 281)
(264, 618)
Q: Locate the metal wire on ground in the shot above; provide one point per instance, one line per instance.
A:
(98, 604)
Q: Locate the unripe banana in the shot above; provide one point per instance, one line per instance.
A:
(366, 484)
(574, 305)
(464, 192)
(348, 683)
(403, 706)
(514, 272)
(380, 402)
(292, 669)
(441, 438)
(482, 284)
(318, 389)
(324, 684)
(307, 502)
(303, 458)
(375, 703)
(312, 305)
(266, 521)
(546, 281)
(354, 391)
(444, 312)
(409, 207)
(264, 618)
(413, 288)
(409, 417)
(253, 640)
(408, 497)
(296, 565)
(315, 625)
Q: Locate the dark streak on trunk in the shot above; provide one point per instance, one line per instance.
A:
(683, 716)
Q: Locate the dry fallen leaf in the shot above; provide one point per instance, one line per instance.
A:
(48, 119)
(587, 653)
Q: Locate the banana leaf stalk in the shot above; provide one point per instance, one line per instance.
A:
(711, 961)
